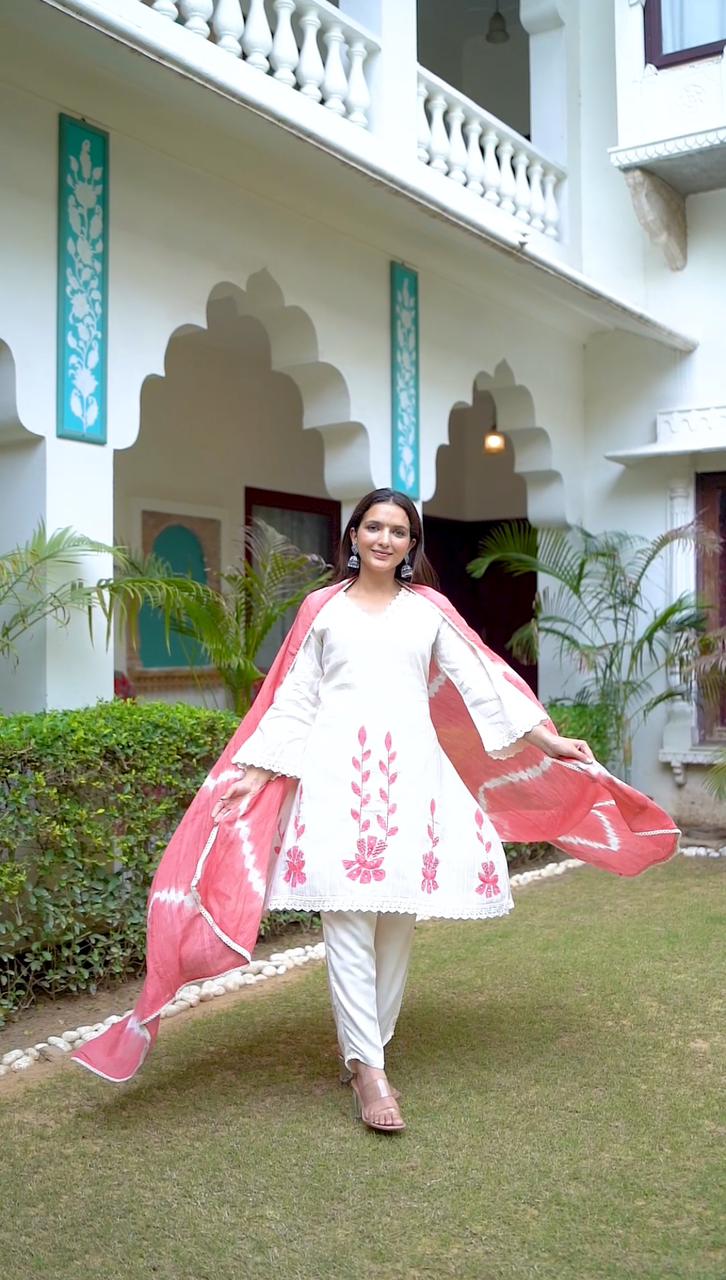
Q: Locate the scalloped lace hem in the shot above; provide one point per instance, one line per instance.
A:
(397, 906)
(513, 742)
(256, 761)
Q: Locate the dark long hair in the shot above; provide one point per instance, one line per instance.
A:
(423, 571)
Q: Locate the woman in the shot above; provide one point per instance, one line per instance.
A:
(371, 781)
(382, 829)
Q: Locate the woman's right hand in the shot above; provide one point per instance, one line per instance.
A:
(236, 795)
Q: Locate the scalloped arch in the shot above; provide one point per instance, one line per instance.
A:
(532, 446)
(293, 348)
(12, 430)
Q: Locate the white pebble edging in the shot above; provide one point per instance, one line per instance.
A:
(251, 974)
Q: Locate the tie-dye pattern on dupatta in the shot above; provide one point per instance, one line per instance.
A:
(207, 896)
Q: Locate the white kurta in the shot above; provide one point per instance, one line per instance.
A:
(380, 820)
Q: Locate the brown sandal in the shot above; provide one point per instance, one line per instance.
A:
(365, 1095)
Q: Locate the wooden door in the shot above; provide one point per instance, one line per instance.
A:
(495, 605)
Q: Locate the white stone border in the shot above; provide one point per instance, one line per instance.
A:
(256, 971)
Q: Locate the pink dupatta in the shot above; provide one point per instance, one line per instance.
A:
(206, 899)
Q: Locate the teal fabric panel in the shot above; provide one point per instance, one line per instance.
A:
(82, 282)
(404, 380)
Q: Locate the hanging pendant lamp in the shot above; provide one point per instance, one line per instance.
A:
(497, 33)
(494, 441)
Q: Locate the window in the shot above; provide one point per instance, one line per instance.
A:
(182, 551)
(681, 30)
(312, 524)
(711, 579)
(191, 546)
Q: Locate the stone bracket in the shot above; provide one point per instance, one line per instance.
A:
(661, 212)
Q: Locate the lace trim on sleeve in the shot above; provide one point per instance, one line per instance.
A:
(512, 742)
(260, 760)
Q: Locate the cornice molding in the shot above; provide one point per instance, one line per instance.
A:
(689, 430)
(636, 157)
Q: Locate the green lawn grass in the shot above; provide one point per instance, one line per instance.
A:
(560, 1074)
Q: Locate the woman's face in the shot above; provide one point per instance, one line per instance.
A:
(383, 538)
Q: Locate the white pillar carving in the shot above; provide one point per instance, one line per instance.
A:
(358, 98)
(335, 81)
(166, 9)
(439, 136)
(392, 74)
(551, 207)
(521, 186)
(507, 183)
(474, 158)
(228, 25)
(196, 15)
(424, 130)
(537, 201)
(284, 55)
(310, 68)
(492, 173)
(257, 39)
(457, 146)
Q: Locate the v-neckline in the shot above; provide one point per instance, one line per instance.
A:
(377, 613)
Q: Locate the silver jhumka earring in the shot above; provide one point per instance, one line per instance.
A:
(406, 570)
(354, 558)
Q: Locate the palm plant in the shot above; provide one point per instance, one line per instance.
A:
(37, 582)
(232, 622)
(40, 579)
(630, 656)
(35, 585)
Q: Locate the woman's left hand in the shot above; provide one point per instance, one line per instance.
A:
(561, 748)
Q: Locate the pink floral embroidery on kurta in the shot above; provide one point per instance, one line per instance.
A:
(488, 876)
(430, 861)
(295, 873)
(367, 864)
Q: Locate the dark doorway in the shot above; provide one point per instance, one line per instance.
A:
(495, 605)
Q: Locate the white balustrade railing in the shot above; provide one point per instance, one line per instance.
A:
(474, 149)
(304, 44)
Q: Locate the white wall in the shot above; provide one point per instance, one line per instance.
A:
(217, 421)
(472, 484)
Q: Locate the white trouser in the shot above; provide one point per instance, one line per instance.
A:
(367, 954)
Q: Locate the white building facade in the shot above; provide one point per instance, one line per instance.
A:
(260, 256)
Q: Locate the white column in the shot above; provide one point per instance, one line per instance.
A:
(678, 733)
(543, 21)
(392, 73)
(79, 492)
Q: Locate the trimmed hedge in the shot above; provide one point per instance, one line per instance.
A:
(589, 720)
(88, 802)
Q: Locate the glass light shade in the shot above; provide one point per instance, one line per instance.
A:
(494, 442)
(497, 33)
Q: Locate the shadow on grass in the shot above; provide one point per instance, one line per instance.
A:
(292, 1056)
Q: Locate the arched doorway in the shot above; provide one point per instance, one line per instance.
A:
(245, 421)
(475, 492)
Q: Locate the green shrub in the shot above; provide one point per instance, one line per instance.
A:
(88, 800)
(590, 720)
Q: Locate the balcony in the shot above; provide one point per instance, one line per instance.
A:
(315, 68)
